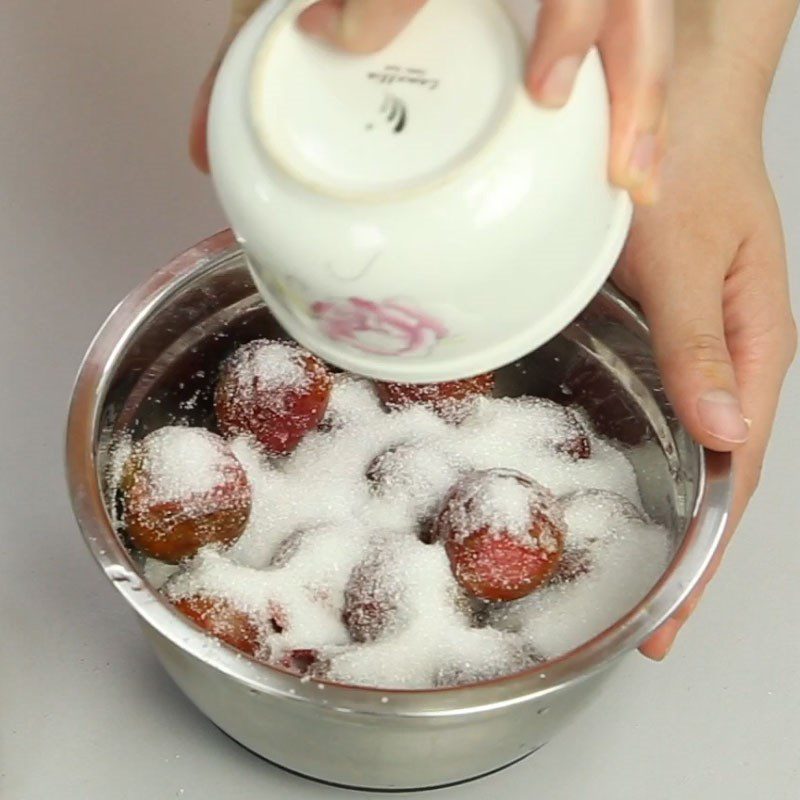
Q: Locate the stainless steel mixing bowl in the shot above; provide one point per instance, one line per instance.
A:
(138, 374)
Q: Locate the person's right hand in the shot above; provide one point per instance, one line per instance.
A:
(634, 38)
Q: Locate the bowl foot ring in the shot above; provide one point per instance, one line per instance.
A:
(382, 791)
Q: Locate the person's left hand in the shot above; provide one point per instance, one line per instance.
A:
(708, 267)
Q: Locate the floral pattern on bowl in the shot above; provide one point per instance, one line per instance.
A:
(390, 328)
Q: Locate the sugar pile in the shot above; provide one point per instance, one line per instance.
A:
(259, 371)
(181, 462)
(500, 502)
(623, 554)
(370, 482)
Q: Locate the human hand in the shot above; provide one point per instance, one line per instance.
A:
(707, 265)
(634, 38)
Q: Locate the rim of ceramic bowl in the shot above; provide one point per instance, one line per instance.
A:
(700, 543)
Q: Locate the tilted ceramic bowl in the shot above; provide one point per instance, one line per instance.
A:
(413, 215)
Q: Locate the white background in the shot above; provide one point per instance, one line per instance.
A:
(95, 191)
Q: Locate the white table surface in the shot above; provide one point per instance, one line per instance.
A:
(95, 191)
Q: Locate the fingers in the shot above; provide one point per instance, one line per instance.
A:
(198, 130)
(359, 26)
(766, 382)
(636, 46)
(682, 300)
(241, 11)
(635, 39)
(658, 646)
(689, 339)
(565, 31)
(762, 341)
(679, 280)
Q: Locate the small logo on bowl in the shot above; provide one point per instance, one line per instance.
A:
(394, 113)
(413, 76)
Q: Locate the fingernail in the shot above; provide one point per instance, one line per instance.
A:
(721, 415)
(669, 630)
(350, 27)
(322, 21)
(555, 89)
(663, 654)
(643, 158)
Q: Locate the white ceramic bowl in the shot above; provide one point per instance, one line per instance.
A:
(413, 215)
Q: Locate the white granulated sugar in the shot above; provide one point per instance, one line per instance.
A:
(594, 515)
(508, 506)
(353, 400)
(157, 573)
(272, 365)
(183, 462)
(410, 478)
(118, 454)
(370, 482)
(627, 555)
(500, 501)
(265, 374)
(523, 434)
(307, 608)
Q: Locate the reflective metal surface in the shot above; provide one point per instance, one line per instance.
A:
(138, 373)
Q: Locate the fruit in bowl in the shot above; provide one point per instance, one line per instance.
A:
(273, 391)
(183, 488)
(387, 535)
(503, 534)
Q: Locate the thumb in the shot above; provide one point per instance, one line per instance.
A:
(241, 11)
(360, 26)
(683, 305)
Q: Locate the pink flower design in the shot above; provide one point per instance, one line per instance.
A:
(384, 329)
